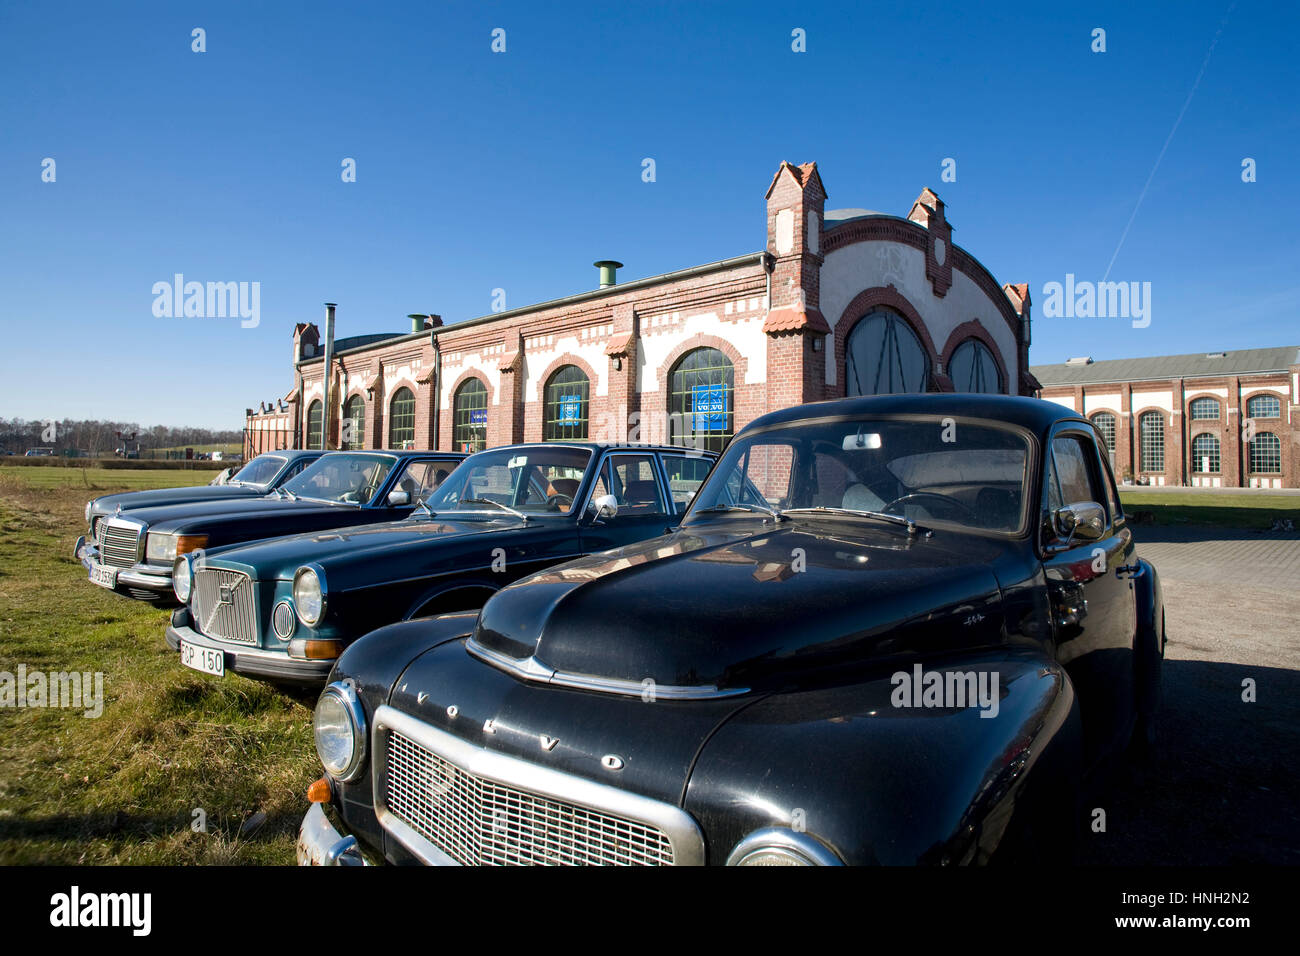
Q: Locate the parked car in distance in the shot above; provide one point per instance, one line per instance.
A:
(890, 630)
(502, 514)
(39, 453)
(133, 553)
(256, 479)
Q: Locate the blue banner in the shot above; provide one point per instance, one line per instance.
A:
(570, 410)
(709, 408)
(478, 416)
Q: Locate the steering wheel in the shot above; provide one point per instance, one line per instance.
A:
(557, 501)
(932, 495)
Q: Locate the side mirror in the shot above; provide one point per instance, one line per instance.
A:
(606, 507)
(399, 497)
(1082, 520)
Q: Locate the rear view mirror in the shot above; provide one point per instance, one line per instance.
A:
(862, 441)
(1082, 521)
(399, 497)
(606, 507)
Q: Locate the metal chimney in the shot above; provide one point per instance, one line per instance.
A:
(329, 358)
(608, 272)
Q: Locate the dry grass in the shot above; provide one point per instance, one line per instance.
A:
(123, 787)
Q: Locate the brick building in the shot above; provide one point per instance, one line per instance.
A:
(1220, 420)
(848, 301)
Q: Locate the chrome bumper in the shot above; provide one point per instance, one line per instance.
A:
(153, 579)
(319, 844)
(253, 661)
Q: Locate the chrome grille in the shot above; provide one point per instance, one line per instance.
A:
(119, 546)
(478, 821)
(224, 605)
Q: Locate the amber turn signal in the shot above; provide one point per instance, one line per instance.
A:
(319, 791)
(314, 650)
(186, 543)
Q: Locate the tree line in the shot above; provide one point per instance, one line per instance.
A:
(104, 438)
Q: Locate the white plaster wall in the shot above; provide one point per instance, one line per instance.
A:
(1159, 399)
(1101, 403)
(538, 359)
(483, 362)
(660, 334)
(1066, 400)
(848, 271)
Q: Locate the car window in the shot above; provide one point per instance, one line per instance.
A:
(423, 477)
(1076, 478)
(685, 475)
(352, 478)
(635, 485)
(260, 470)
(295, 469)
(535, 479)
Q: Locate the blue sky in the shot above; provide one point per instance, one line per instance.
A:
(478, 170)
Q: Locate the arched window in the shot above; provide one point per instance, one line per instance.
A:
(1205, 454)
(1151, 437)
(701, 400)
(1105, 423)
(401, 419)
(353, 433)
(566, 405)
(1204, 410)
(469, 416)
(973, 368)
(1264, 406)
(1265, 454)
(314, 424)
(883, 356)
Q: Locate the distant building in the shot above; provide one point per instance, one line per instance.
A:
(837, 302)
(1217, 419)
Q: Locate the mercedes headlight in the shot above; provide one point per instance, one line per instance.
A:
(182, 579)
(309, 595)
(340, 729)
(166, 548)
(88, 504)
(778, 846)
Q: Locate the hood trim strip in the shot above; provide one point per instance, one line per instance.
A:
(534, 670)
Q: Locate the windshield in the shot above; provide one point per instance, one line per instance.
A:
(936, 472)
(341, 477)
(535, 480)
(259, 471)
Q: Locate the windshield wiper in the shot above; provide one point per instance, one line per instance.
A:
(895, 519)
(421, 503)
(497, 504)
(757, 509)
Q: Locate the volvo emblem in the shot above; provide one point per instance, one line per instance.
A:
(421, 697)
(548, 743)
(612, 762)
(489, 726)
(452, 711)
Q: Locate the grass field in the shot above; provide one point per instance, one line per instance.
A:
(1248, 510)
(123, 787)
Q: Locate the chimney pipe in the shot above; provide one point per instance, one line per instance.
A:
(329, 358)
(417, 321)
(608, 272)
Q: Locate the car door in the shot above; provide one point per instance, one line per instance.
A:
(1089, 590)
(684, 474)
(644, 509)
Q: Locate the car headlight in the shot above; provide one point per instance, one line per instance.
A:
(166, 548)
(182, 579)
(339, 725)
(309, 594)
(88, 504)
(778, 846)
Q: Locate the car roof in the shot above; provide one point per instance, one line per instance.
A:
(399, 452)
(1033, 414)
(597, 446)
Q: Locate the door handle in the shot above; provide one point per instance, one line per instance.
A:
(1132, 570)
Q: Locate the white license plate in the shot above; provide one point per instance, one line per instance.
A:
(203, 659)
(104, 577)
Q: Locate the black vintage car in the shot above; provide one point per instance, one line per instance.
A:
(890, 630)
(297, 601)
(257, 478)
(133, 552)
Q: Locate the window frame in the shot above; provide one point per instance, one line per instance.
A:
(463, 390)
(1253, 444)
(1143, 466)
(550, 403)
(729, 389)
(393, 419)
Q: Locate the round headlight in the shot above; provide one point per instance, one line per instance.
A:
(88, 504)
(777, 846)
(339, 726)
(182, 579)
(309, 595)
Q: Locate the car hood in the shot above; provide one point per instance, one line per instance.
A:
(130, 500)
(196, 513)
(279, 558)
(746, 605)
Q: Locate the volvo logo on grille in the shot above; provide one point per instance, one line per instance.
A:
(548, 743)
(225, 595)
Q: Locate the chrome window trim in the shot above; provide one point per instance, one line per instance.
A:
(679, 826)
(534, 670)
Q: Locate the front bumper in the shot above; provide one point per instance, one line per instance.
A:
(320, 844)
(252, 661)
(142, 577)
